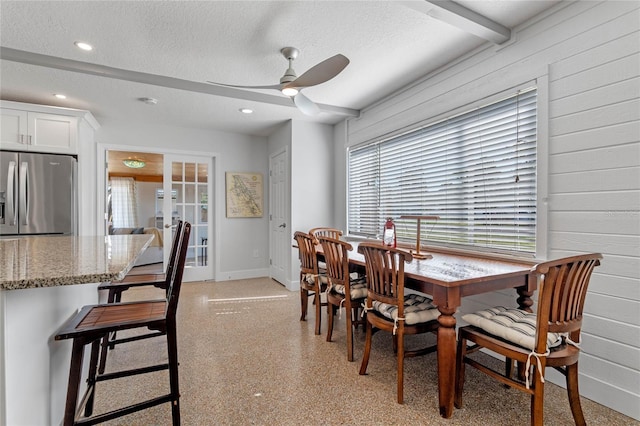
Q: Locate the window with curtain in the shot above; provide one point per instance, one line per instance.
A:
(476, 171)
(124, 211)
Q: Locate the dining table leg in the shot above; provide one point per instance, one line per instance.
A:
(525, 302)
(446, 359)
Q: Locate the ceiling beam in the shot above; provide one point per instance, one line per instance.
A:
(32, 58)
(463, 18)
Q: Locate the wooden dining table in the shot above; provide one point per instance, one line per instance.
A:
(448, 277)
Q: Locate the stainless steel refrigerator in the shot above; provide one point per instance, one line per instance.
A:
(37, 194)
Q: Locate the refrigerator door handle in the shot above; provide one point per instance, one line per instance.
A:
(24, 187)
(11, 197)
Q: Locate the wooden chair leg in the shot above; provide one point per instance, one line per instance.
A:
(400, 340)
(115, 296)
(172, 349)
(91, 379)
(367, 349)
(304, 301)
(103, 354)
(349, 336)
(75, 375)
(330, 314)
(537, 399)
(318, 304)
(508, 369)
(574, 394)
(460, 370)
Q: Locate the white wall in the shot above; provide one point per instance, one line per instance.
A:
(311, 180)
(584, 57)
(311, 175)
(146, 203)
(234, 238)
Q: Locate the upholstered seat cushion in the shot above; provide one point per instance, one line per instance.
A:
(417, 309)
(515, 325)
(357, 285)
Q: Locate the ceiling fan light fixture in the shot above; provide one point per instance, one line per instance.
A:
(134, 163)
(290, 91)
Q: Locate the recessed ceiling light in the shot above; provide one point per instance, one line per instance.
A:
(246, 110)
(59, 96)
(84, 46)
(148, 101)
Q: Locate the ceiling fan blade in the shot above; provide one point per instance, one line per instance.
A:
(306, 105)
(272, 86)
(322, 72)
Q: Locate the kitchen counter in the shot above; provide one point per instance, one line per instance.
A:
(30, 262)
(43, 282)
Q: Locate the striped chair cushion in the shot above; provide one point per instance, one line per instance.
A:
(357, 285)
(311, 279)
(514, 325)
(417, 309)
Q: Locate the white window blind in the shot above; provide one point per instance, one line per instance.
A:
(477, 171)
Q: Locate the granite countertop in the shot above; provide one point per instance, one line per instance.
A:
(49, 261)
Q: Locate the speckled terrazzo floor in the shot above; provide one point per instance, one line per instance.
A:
(252, 362)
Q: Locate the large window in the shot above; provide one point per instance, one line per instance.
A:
(122, 205)
(476, 171)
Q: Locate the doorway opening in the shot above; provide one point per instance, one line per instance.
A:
(149, 193)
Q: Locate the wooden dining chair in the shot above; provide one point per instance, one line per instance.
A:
(326, 232)
(313, 281)
(116, 288)
(548, 338)
(389, 309)
(92, 323)
(345, 290)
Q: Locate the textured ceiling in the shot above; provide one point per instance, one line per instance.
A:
(389, 43)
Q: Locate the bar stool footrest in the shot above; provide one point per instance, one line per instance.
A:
(100, 418)
(132, 372)
(134, 338)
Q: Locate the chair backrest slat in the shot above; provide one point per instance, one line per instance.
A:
(175, 279)
(173, 254)
(562, 290)
(336, 255)
(326, 232)
(384, 268)
(307, 252)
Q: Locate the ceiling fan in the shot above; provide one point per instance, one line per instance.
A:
(291, 85)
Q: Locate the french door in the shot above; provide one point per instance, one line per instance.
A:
(187, 191)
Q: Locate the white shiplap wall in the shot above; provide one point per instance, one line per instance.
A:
(594, 203)
(585, 59)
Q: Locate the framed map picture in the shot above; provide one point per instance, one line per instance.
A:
(244, 194)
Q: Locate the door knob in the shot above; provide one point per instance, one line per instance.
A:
(283, 225)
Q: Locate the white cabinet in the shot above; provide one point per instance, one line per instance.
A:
(13, 128)
(38, 131)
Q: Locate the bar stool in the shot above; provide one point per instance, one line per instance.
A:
(93, 323)
(116, 288)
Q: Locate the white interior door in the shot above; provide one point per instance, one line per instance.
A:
(187, 179)
(280, 233)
